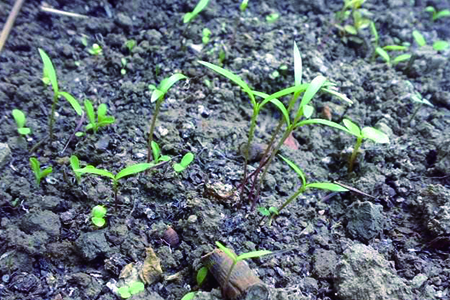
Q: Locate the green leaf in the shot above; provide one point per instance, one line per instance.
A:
(315, 85)
(350, 29)
(201, 275)
(401, 58)
(308, 110)
(381, 52)
(332, 92)
(227, 251)
(99, 222)
(165, 85)
(323, 122)
(19, 117)
(136, 287)
(327, 186)
(46, 172)
(440, 45)
(101, 111)
(243, 5)
(418, 37)
(375, 135)
(99, 211)
(124, 292)
(35, 166)
(74, 162)
(178, 168)
(298, 69)
(395, 48)
(253, 254)
(187, 159)
(273, 210)
(90, 113)
(264, 211)
(189, 296)
(430, 9)
(155, 150)
(441, 14)
(277, 103)
(49, 70)
(188, 17)
(233, 77)
(73, 102)
(24, 131)
(93, 170)
(284, 92)
(294, 167)
(352, 127)
(133, 169)
(106, 121)
(157, 94)
(373, 30)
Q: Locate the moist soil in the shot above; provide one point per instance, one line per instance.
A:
(391, 241)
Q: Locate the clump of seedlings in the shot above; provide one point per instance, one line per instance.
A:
(49, 77)
(21, 120)
(39, 174)
(131, 289)
(95, 50)
(352, 10)
(158, 95)
(98, 216)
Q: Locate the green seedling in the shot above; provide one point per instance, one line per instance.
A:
(235, 258)
(417, 97)
(130, 44)
(128, 171)
(206, 33)
(50, 74)
(38, 173)
(201, 275)
(419, 38)
(102, 119)
(131, 289)
(435, 15)
(156, 151)
(243, 5)
(383, 53)
(272, 18)
(188, 17)
(123, 62)
(21, 120)
(158, 95)
(95, 50)
(75, 165)
(271, 211)
(440, 45)
(328, 186)
(184, 163)
(352, 8)
(98, 216)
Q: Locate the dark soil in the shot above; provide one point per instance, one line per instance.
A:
(392, 245)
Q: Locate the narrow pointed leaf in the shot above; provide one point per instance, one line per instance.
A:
(253, 254)
(90, 112)
(375, 135)
(49, 70)
(284, 92)
(133, 169)
(73, 102)
(35, 165)
(323, 122)
(201, 275)
(308, 110)
(277, 103)
(297, 170)
(400, 58)
(381, 52)
(227, 251)
(93, 170)
(167, 83)
(19, 117)
(297, 65)
(341, 96)
(315, 85)
(155, 150)
(327, 186)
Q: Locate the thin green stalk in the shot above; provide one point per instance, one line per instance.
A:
(52, 116)
(251, 133)
(292, 198)
(414, 114)
(228, 276)
(354, 153)
(152, 129)
(116, 189)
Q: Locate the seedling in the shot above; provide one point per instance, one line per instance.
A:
(417, 97)
(188, 17)
(435, 15)
(20, 119)
(235, 258)
(201, 275)
(206, 33)
(352, 8)
(49, 74)
(440, 45)
(268, 212)
(130, 44)
(243, 5)
(102, 119)
(158, 95)
(272, 18)
(418, 37)
(75, 164)
(98, 216)
(305, 185)
(123, 62)
(128, 171)
(157, 157)
(38, 173)
(131, 289)
(95, 50)
(184, 163)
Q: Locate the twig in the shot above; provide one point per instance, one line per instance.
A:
(80, 123)
(9, 23)
(63, 13)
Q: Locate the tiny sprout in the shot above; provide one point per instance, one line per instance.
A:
(268, 212)
(201, 275)
(435, 15)
(243, 5)
(206, 34)
(418, 37)
(20, 119)
(130, 44)
(102, 119)
(235, 258)
(75, 164)
(440, 45)
(98, 214)
(417, 97)
(189, 296)
(131, 289)
(123, 62)
(157, 157)
(272, 18)
(188, 17)
(38, 173)
(184, 163)
(96, 49)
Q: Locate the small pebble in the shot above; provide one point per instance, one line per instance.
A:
(171, 237)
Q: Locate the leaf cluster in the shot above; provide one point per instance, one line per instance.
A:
(101, 120)
(131, 289)
(38, 173)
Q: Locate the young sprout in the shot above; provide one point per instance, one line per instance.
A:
(38, 173)
(184, 163)
(102, 119)
(188, 17)
(440, 45)
(201, 275)
(123, 62)
(158, 95)
(418, 37)
(50, 74)
(130, 44)
(128, 171)
(206, 33)
(272, 18)
(95, 50)
(417, 97)
(98, 216)
(131, 289)
(268, 212)
(305, 185)
(243, 5)
(235, 258)
(157, 157)
(20, 119)
(435, 15)
(75, 164)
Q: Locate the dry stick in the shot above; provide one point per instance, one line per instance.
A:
(9, 23)
(80, 123)
(63, 13)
